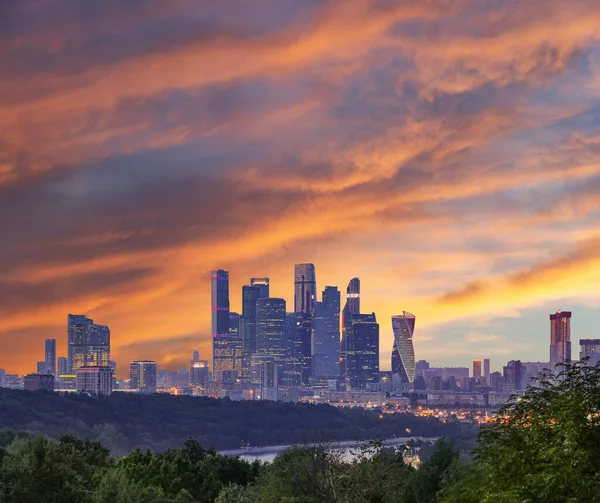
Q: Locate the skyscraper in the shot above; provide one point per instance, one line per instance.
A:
(352, 306)
(362, 351)
(63, 365)
(560, 338)
(477, 369)
(222, 344)
(264, 373)
(590, 348)
(50, 355)
(263, 285)
(486, 370)
(325, 347)
(142, 375)
(403, 353)
(270, 330)
(89, 343)
(250, 294)
(305, 288)
(237, 341)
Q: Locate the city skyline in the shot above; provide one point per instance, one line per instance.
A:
(446, 155)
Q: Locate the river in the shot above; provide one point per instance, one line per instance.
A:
(268, 453)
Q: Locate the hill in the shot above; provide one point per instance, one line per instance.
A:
(125, 421)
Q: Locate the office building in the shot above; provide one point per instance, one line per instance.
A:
(270, 330)
(486, 371)
(235, 327)
(96, 380)
(88, 343)
(66, 382)
(560, 339)
(263, 285)
(403, 353)
(305, 288)
(63, 365)
(142, 376)
(263, 374)
(42, 368)
(477, 369)
(250, 294)
(34, 382)
(199, 373)
(50, 355)
(590, 348)
(513, 378)
(298, 362)
(362, 351)
(325, 345)
(352, 306)
(223, 347)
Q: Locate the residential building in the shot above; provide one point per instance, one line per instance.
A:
(560, 339)
(305, 288)
(88, 343)
(96, 380)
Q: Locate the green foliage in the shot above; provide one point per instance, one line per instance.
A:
(158, 422)
(544, 447)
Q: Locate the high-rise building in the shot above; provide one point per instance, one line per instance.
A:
(237, 341)
(50, 355)
(42, 368)
(560, 338)
(97, 380)
(142, 376)
(263, 286)
(325, 346)
(305, 288)
(264, 371)
(34, 382)
(477, 369)
(403, 352)
(63, 365)
(270, 330)
(486, 370)
(352, 306)
(223, 346)
(89, 343)
(250, 294)
(199, 373)
(362, 351)
(513, 376)
(590, 348)
(2, 378)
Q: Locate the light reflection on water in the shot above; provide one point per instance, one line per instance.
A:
(267, 454)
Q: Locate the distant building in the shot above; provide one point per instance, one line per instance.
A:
(223, 347)
(351, 307)
(305, 288)
(403, 353)
(513, 376)
(590, 348)
(2, 378)
(250, 294)
(237, 342)
(50, 356)
(270, 330)
(477, 369)
(362, 351)
(560, 339)
(199, 373)
(142, 376)
(63, 365)
(96, 380)
(263, 285)
(66, 382)
(325, 345)
(264, 375)
(486, 371)
(34, 382)
(42, 368)
(89, 343)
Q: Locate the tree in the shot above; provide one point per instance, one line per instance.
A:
(544, 447)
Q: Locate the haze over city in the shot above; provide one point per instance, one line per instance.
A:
(444, 153)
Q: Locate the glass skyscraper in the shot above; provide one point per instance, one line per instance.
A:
(237, 340)
(223, 345)
(50, 355)
(263, 285)
(560, 339)
(89, 343)
(403, 353)
(250, 294)
(142, 375)
(270, 330)
(352, 306)
(305, 288)
(325, 347)
(362, 351)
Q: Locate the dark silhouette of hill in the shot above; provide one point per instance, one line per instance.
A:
(125, 421)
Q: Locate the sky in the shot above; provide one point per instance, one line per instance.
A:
(444, 151)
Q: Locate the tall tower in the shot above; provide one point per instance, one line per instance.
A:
(223, 351)
(351, 307)
(362, 351)
(403, 353)
(88, 343)
(305, 288)
(262, 284)
(477, 369)
(560, 338)
(250, 294)
(270, 330)
(486, 370)
(50, 355)
(325, 346)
